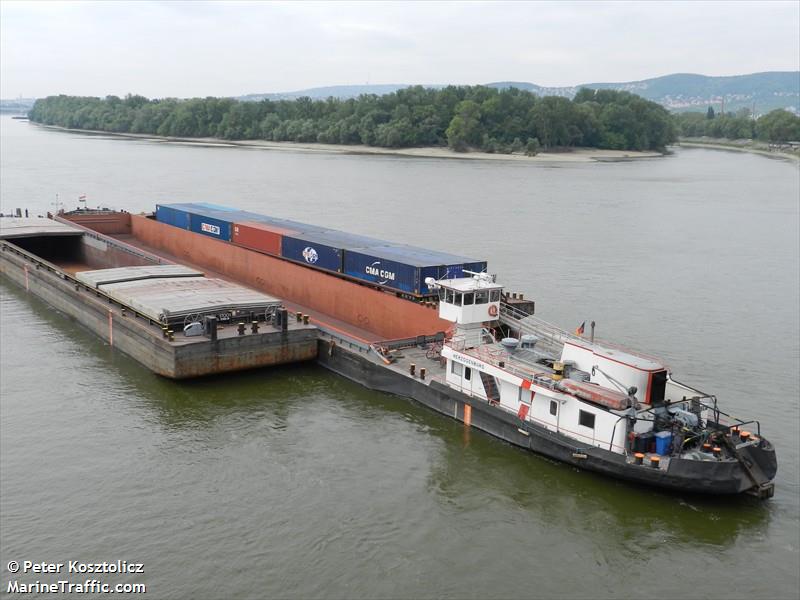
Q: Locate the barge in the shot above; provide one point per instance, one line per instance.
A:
(143, 305)
(458, 343)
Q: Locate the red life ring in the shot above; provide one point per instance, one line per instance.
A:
(493, 310)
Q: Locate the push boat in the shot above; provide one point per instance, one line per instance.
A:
(590, 404)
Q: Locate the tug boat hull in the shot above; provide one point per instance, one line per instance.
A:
(680, 475)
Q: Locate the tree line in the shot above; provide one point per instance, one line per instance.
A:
(460, 117)
(775, 126)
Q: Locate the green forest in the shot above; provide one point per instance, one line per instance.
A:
(462, 118)
(775, 126)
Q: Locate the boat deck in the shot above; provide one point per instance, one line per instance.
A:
(403, 358)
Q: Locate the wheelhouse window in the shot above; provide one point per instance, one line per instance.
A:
(469, 299)
(554, 407)
(456, 368)
(586, 419)
(449, 296)
(495, 296)
(457, 299)
(481, 297)
(467, 373)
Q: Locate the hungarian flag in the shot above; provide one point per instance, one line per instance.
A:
(82, 198)
(581, 329)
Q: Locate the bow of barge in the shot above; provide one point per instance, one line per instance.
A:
(140, 304)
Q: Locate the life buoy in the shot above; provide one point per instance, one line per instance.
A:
(493, 310)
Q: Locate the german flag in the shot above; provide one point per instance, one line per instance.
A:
(581, 329)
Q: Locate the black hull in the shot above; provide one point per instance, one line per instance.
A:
(687, 476)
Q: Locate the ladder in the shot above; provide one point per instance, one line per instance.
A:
(490, 386)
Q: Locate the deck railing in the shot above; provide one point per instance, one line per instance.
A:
(554, 337)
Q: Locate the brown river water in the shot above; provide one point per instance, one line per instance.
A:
(296, 483)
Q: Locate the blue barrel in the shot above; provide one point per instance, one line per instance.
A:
(663, 442)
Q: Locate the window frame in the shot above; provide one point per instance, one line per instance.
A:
(581, 417)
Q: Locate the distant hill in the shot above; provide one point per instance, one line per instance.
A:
(342, 92)
(687, 91)
(678, 92)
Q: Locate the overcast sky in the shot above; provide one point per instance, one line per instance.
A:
(187, 49)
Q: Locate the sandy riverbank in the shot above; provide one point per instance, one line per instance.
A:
(733, 146)
(572, 155)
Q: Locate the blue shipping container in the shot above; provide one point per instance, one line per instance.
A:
(217, 207)
(395, 266)
(405, 268)
(172, 216)
(477, 267)
(211, 226)
(344, 240)
(312, 253)
(381, 271)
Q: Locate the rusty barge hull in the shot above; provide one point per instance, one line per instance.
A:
(383, 315)
(135, 335)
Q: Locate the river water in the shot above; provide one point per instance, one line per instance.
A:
(295, 483)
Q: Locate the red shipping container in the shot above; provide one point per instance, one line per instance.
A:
(260, 236)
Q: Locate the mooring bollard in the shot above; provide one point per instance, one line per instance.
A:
(412, 369)
(305, 319)
(254, 327)
(164, 331)
(422, 373)
(299, 316)
(171, 335)
(240, 328)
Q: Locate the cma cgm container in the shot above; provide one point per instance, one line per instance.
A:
(300, 248)
(405, 268)
(260, 236)
(210, 226)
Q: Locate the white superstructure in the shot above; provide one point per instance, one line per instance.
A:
(596, 395)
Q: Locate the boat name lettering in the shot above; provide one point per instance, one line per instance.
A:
(468, 361)
(375, 270)
(207, 227)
